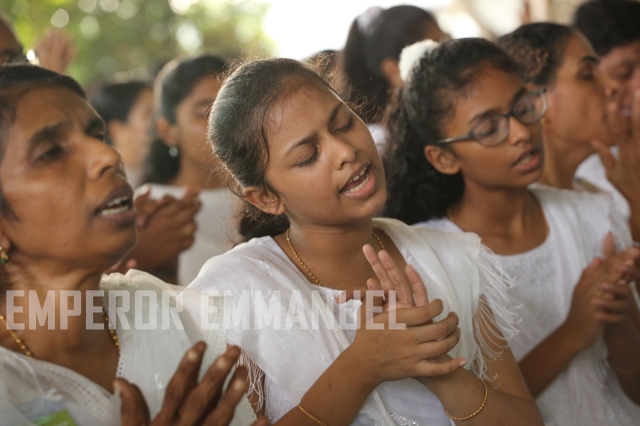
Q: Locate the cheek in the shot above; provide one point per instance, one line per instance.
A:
(578, 112)
(483, 163)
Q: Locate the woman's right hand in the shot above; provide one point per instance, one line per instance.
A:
(405, 342)
(188, 402)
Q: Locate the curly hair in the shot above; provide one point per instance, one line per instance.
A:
(417, 191)
(538, 49)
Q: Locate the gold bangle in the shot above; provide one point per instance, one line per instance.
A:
(311, 416)
(484, 401)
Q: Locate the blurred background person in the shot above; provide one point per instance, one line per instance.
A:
(562, 59)
(181, 157)
(54, 51)
(127, 109)
(371, 56)
(613, 28)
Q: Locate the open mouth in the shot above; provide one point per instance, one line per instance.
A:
(528, 160)
(358, 182)
(118, 203)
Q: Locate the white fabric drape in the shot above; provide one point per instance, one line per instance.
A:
(148, 358)
(587, 392)
(455, 268)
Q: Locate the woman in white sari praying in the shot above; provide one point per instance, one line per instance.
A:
(467, 143)
(312, 181)
(66, 217)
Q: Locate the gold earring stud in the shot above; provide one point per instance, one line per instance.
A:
(4, 257)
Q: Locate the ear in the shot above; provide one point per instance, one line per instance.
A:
(167, 131)
(265, 200)
(443, 160)
(390, 68)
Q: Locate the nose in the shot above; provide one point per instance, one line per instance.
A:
(345, 152)
(519, 132)
(102, 159)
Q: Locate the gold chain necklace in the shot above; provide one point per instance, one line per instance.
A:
(27, 351)
(313, 277)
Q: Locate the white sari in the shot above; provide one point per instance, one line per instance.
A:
(148, 358)
(587, 393)
(455, 268)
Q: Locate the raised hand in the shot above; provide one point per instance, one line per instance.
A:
(187, 401)
(167, 229)
(55, 51)
(623, 172)
(602, 296)
(420, 349)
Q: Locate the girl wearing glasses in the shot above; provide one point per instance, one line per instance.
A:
(467, 146)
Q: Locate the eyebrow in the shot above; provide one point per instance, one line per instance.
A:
(590, 59)
(494, 111)
(45, 134)
(314, 135)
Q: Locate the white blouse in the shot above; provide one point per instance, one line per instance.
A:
(587, 392)
(31, 389)
(455, 268)
(216, 231)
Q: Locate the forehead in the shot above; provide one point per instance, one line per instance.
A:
(628, 52)
(577, 48)
(205, 89)
(303, 106)
(45, 106)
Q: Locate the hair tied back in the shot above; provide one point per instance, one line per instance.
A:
(412, 54)
(369, 15)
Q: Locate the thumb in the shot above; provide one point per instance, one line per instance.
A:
(134, 410)
(607, 158)
(608, 246)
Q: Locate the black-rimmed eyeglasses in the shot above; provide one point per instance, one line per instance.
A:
(494, 130)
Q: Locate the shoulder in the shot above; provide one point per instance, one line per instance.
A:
(244, 263)
(569, 198)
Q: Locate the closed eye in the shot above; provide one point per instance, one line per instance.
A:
(310, 160)
(348, 127)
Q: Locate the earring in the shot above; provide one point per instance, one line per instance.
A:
(4, 257)
(173, 151)
(542, 121)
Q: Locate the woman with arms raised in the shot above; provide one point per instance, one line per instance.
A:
(66, 217)
(467, 144)
(312, 180)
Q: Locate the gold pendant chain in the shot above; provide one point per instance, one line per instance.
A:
(25, 349)
(307, 270)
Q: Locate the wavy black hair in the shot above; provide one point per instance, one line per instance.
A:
(174, 84)
(609, 24)
(417, 191)
(538, 50)
(374, 36)
(238, 130)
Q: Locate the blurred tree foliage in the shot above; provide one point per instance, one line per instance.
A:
(134, 37)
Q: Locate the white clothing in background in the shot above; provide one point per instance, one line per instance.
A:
(587, 393)
(216, 230)
(592, 171)
(148, 358)
(455, 268)
(380, 137)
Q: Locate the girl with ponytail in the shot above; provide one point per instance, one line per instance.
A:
(312, 181)
(466, 149)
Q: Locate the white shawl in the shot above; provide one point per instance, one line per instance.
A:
(455, 268)
(148, 358)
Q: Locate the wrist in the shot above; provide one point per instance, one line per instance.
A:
(446, 382)
(617, 330)
(570, 337)
(359, 368)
